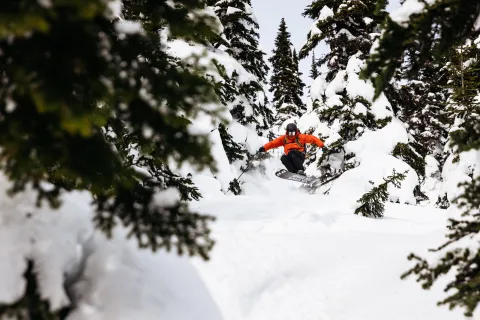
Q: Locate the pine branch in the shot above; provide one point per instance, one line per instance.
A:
(373, 202)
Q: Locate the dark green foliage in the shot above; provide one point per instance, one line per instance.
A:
(383, 122)
(352, 126)
(314, 68)
(442, 202)
(235, 187)
(373, 202)
(31, 306)
(228, 91)
(241, 32)
(451, 21)
(406, 153)
(233, 150)
(285, 82)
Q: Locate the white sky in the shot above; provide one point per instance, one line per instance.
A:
(270, 12)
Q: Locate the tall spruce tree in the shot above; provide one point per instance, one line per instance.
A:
(241, 33)
(241, 90)
(441, 28)
(80, 89)
(285, 82)
(348, 27)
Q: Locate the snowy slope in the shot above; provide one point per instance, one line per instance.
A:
(284, 254)
(280, 254)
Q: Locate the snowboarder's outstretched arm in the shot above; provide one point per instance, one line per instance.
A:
(313, 140)
(278, 142)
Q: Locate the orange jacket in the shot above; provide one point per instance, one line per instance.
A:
(291, 142)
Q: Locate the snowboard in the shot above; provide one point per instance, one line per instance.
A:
(285, 174)
(308, 182)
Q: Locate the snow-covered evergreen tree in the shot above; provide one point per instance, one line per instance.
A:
(285, 82)
(421, 104)
(441, 27)
(341, 100)
(240, 30)
(347, 26)
(461, 173)
(238, 78)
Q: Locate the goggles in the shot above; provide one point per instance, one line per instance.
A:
(291, 133)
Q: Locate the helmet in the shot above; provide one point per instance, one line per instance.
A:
(291, 129)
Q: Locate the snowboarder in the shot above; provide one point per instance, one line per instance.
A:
(293, 143)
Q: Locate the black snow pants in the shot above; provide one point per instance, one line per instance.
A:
(293, 161)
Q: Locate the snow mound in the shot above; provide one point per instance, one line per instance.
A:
(408, 8)
(76, 265)
(459, 170)
(373, 150)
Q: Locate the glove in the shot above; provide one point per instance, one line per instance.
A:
(262, 149)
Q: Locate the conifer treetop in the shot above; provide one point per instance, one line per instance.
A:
(241, 31)
(285, 82)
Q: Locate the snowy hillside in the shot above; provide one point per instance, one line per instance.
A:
(284, 254)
